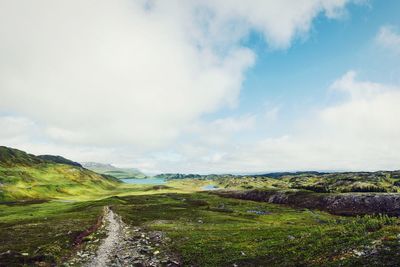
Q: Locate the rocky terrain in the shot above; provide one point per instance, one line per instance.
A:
(339, 204)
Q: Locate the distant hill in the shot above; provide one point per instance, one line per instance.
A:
(217, 176)
(178, 176)
(26, 176)
(108, 169)
(320, 182)
(59, 159)
(282, 174)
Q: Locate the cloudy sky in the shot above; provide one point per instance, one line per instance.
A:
(203, 86)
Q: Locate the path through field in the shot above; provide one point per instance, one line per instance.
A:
(109, 246)
(123, 246)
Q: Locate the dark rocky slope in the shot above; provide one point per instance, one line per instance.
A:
(339, 204)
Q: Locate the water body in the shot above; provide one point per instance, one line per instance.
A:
(153, 181)
(209, 187)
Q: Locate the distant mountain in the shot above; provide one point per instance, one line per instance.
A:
(108, 169)
(26, 176)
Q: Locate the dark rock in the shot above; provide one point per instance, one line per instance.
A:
(340, 204)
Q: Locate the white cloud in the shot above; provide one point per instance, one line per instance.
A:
(16, 129)
(389, 38)
(110, 72)
(369, 117)
(118, 80)
(232, 124)
(272, 113)
(359, 133)
(107, 73)
(279, 21)
(357, 89)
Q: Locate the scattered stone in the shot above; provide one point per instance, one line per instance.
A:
(173, 263)
(358, 253)
(259, 212)
(123, 246)
(290, 237)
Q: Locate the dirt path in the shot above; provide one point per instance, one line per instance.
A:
(123, 246)
(110, 243)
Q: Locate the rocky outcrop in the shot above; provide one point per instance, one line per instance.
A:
(339, 204)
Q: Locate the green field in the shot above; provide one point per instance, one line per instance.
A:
(49, 210)
(206, 230)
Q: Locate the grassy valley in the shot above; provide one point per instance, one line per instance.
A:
(52, 213)
(204, 230)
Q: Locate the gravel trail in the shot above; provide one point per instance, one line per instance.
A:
(109, 245)
(123, 245)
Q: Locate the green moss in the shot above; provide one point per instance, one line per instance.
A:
(42, 232)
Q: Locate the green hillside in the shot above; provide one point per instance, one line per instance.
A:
(25, 176)
(12, 157)
(108, 169)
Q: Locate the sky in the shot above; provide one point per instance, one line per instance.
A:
(201, 86)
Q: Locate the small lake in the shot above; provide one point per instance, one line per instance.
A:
(153, 181)
(209, 187)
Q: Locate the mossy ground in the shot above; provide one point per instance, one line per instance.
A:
(206, 230)
(211, 231)
(45, 232)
